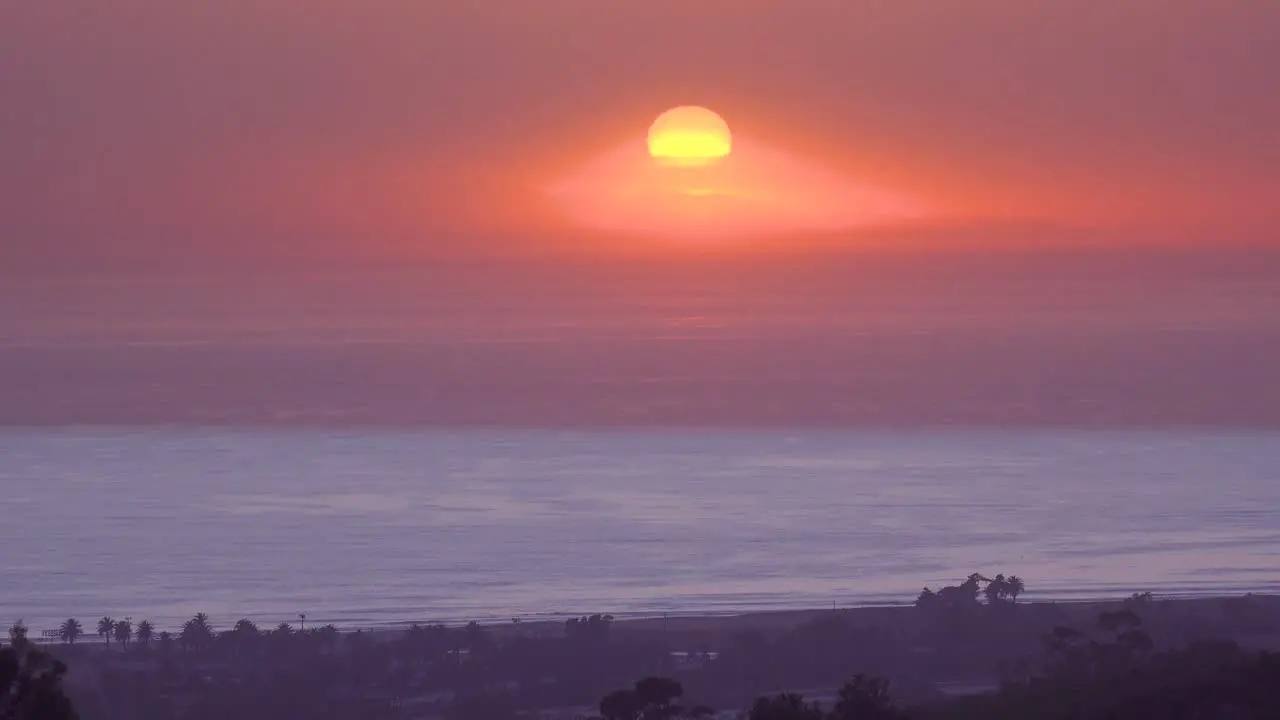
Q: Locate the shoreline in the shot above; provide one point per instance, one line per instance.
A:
(694, 620)
(785, 619)
(671, 615)
(702, 627)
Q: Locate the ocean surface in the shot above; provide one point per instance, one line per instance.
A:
(378, 527)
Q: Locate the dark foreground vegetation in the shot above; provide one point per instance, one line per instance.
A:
(969, 651)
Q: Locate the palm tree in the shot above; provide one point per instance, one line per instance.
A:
(146, 631)
(196, 633)
(70, 630)
(996, 590)
(106, 626)
(124, 632)
(191, 637)
(1015, 587)
(244, 635)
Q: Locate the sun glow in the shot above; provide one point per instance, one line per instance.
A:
(689, 136)
(694, 179)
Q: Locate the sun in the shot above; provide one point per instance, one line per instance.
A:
(689, 136)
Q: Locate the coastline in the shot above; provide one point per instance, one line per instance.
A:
(730, 622)
(781, 621)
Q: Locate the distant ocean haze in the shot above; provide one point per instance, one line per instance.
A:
(736, 296)
(1114, 339)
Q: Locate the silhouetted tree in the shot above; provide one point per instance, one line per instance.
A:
(1015, 586)
(1138, 601)
(146, 631)
(196, 633)
(70, 631)
(1117, 621)
(996, 590)
(1103, 682)
(124, 632)
(865, 698)
(658, 697)
(593, 629)
(106, 628)
(1001, 590)
(788, 706)
(18, 634)
(31, 685)
(244, 635)
(652, 698)
(328, 636)
(1060, 642)
(620, 705)
(1128, 641)
(963, 595)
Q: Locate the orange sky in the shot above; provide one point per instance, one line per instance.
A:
(144, 127)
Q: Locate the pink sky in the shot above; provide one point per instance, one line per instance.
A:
(305, 127)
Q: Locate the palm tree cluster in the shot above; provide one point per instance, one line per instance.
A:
(108, 628)
(1004, 590)
(196, 633)
(999, 591)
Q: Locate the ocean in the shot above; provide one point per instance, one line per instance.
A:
(369, 528)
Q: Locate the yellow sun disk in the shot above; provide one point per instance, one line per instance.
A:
(689, 136)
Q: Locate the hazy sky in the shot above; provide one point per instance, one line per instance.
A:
(245, 128)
